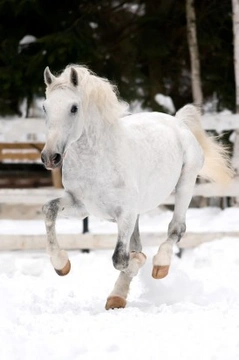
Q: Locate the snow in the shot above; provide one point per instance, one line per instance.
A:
(166, 102)
(191, 314)
(27, 39)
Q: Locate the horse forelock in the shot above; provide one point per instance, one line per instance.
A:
(92, 88)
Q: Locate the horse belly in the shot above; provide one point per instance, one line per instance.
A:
(159, 184)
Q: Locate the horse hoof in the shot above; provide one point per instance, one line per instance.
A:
(65, 270)
(160, 271)
(115, 302)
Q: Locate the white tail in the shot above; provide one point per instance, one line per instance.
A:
(216, 166)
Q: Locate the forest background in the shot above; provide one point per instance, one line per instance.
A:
(140, 45)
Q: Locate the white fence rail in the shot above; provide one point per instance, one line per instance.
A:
(33, 130)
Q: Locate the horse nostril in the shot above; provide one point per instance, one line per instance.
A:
(56, 158)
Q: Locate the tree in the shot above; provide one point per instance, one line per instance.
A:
(235, 22)
(194, 53)
(139, 45)
(214, 25)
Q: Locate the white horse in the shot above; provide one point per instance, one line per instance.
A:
(118, 166)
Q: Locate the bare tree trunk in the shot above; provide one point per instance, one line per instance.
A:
(195, 71)
(235, 26)
(194, 55)
(235, 22)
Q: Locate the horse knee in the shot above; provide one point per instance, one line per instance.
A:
(120, 257)
(121, 261)
(50, 209)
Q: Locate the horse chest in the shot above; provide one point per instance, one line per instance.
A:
(89, 174)
(98, 201)
(96, 185)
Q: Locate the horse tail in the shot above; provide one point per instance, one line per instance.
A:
(217, 167)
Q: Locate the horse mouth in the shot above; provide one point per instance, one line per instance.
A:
(53, 166)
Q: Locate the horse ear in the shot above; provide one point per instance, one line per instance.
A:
(48, 77)
(74, 77)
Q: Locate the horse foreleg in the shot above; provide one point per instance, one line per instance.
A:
(135, 241)
(118, 296)
(177, 227)
(58, 257)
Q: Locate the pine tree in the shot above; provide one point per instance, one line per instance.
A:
(140, 45)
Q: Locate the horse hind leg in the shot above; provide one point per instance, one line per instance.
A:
(177, 227)
(162, 260)
(118, 296)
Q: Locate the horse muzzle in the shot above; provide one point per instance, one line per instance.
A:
(51, 161)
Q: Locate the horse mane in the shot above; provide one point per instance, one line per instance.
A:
(95, 89)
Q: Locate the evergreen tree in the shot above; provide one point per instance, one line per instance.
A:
(140, 45)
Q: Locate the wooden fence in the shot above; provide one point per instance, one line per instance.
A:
(26, 152)
(21, 199)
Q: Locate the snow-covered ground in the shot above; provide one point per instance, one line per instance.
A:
(193, 314)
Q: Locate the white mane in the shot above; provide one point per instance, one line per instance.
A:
(95, 89)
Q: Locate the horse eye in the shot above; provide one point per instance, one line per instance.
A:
(74, 109)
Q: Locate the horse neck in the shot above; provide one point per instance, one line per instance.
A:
(100, 132)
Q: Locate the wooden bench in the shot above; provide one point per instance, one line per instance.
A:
(27, 153)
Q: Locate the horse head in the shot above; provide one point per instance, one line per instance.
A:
(63, 112)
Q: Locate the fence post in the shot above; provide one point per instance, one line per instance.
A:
(85, 225)
(56, 178)
(235, 159)
(235, 155)
(85, 230)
